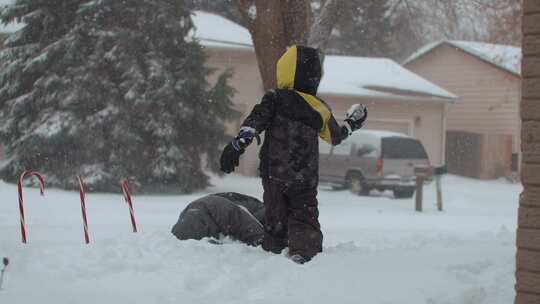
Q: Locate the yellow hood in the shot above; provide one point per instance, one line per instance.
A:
(299, 69)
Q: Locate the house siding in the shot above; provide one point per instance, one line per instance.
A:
(488, 96)
(247, 82)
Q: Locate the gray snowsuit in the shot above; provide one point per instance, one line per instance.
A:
(231, 214)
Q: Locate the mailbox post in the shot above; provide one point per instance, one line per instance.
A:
(439, 192)
(421, 173)
(439, 172)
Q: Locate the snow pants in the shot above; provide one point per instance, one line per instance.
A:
(291, 219)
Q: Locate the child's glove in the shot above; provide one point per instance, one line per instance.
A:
(230, 158)
(244, 138)
(355, 117)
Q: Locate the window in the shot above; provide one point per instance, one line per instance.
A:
(403, 148)
(367, 150)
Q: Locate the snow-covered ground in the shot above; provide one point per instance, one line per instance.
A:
(376, 250)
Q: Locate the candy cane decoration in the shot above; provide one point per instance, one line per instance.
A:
(82, 194)
(21, 200)
(127, 198)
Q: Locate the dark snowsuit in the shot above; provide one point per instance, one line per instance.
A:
(231, 214)
(293, 119)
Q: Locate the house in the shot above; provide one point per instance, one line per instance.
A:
(487, 78)
(398, 99)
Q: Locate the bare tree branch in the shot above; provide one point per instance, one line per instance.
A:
(244, 7)
(324, 23)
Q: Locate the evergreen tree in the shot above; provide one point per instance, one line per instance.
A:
(109, 89)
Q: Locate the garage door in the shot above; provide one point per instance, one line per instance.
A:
(390, 125)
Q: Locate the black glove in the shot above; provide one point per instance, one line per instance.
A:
(230, 158)
(356, 117)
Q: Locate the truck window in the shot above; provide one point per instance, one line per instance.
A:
(367, 150)
(403, 148)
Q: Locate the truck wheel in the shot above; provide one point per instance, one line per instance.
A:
(356, 184)
(404, 193)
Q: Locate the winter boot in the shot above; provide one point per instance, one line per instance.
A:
(298, 259)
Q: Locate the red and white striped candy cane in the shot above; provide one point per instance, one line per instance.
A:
(83, 210)
(127, 198)
(21, 200)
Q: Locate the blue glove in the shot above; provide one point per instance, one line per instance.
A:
(245, 138)
(230, 157)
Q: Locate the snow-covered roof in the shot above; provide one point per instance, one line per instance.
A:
(210, 29)
(377, 78)
(215, 31)
(355, 76)
(352, 76)
(505, 57)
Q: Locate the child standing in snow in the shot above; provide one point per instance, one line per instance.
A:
(292, 118)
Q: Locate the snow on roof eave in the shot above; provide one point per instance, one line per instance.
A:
(413, 94)
(216, 31)
(422, 51)
(432, 46)
(390, 97)
(480, 56)
(220, 44)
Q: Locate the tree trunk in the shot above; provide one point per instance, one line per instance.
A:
(275, 25)
(528, 235)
